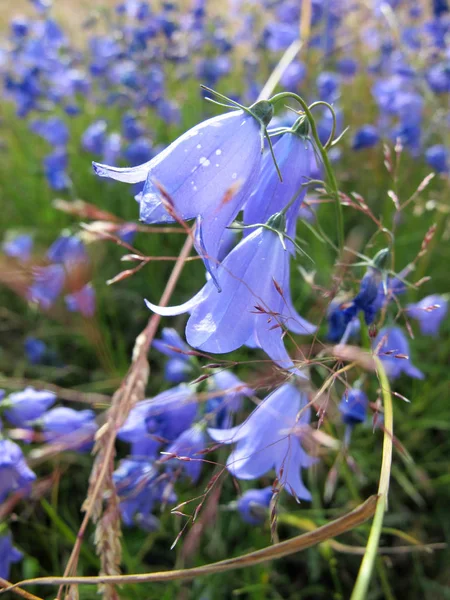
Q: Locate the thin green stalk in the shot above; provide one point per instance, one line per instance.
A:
(368, 561)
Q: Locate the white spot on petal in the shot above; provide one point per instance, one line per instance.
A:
(218, 152)
(198, 146)
(204, 161)
(234, 176)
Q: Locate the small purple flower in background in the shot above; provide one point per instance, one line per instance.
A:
(220, 409)
(394, 353)
(19, 247)
(82, 301)
(437, 157)
(8, 555)
(220, 160)
(67, 249)
(179, 366)
(269, 438)
(365, 137)
(54, 130)
(15, 474)
(23, 407)
(429, 313)
(159, 420)
(47, 285)
(250, 307)
(72, 429)
(189, 444)
(293, 75)
(93, 139)
(353, 406)
(139, 488)
(35, 350)
(253, 505)
(55, 166)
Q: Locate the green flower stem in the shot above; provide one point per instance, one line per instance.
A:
(368, 561)
(326, 162)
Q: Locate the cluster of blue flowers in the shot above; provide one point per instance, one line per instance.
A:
(66, 272)
(29, 416)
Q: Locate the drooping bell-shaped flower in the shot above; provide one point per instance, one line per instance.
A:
(293, 154)
(394, 353)
(220, 408)
(15, 474)
(67, 249)
(189, 444)
(269, 439)
(208, 171)
(82, 301)
(254, 303)
(28, 405)
(429, 313)
(253, 505)
(157, 420)
(19, 247)
(47, 285)
(8, 555)
(35, 350)
(353, 406)
(179, 366)
(72, 429)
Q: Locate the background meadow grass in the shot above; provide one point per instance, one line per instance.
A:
(94, 358)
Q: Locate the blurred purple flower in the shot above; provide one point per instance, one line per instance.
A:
(19, 247)
(47, 285)
(158, 420)
(72, 429)
(35, 350)
(30, 404)
(55, 165)
(15, 475)
(189, 444)
(253, 505)
(365, 137)
(353, 406)
(429, 312)
(394, 353)
(269, 438)
(8, 555)
(437, 157)
(54, 130)
(67, 249)
(82, 301)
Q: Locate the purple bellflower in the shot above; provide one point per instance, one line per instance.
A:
(47, 285)
(437, 157)
(139, 488)
(189, 444)
(253, 505)
(159, 420)
(269, 439)
(394, 353)
(8, 555)
(429, 312)
(179, 366)
(19, 247)
(82, 301)
(15, 475)
(220, 409)
(23, 407)
(73, 429)
(35, 350)
(293, 154)
(365, 137)
(67, 249)
(208, 171)
(54, 130)
(353, 407)
(250, 307)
